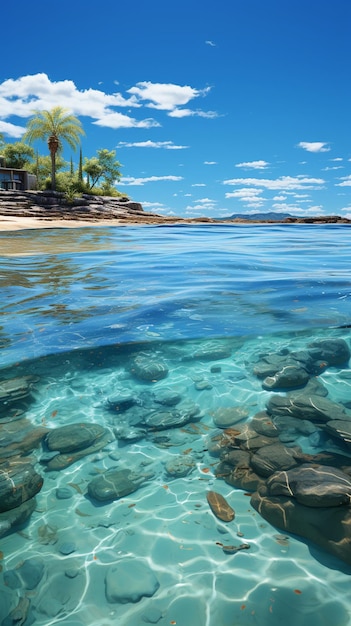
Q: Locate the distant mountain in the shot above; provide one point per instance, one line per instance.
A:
(270, 215)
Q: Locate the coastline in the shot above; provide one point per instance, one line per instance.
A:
(36, 210)
(20, 222)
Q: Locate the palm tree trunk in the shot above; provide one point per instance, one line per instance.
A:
(53, 144)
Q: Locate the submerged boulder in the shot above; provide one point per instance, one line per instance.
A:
(327, 527)
(289, 377)
(180, 465)
(334, 351)
(311, 407)
(149, 369)
(312, 485)
(13, 518)
(18, 482)
(130, 580)
(73, 437)
(115, 484)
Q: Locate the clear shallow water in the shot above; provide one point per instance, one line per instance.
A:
(78, 306)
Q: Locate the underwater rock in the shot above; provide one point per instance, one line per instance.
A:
(236, 458)
(73, 442)
(127, 433)
(20, 615)
(180, 466)
(148, 369)
(67, 548)
(286, 423)
(18, 482)
(16, 388)
(74, 437)
(19, 437)
(249, 439)
(235, 549)
(167, 397)
(327, 527)
(162, 420)
(115, 484)
(209, 352)
(202, 384)
(151, 615)
(334, 351)
(240, 477)
(271, 364)
(12, 519)
(64, 493)
(289, 377)
(220, 507)
(224, 417)
(129, 580)
(263, 425)
(61, 461)
(269, 459)
(311, 407)
(222, 440)
(314, 387)
(120, 403)
(341, 429)
(26, 575)
(312, 485)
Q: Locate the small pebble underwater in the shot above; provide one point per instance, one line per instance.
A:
(175, 426)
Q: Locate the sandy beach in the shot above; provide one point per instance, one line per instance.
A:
(23, 223)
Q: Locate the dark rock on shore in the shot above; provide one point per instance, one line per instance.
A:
(52, 205)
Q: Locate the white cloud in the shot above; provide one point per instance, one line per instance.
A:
(203, 204)
(131, 180)
(210, 162)
(251, 197)
(165, 96)
(246, 195)
(283, 183)
(210, 43)
(255, 165)
(22, 96)
(192, 113)
(118, 120)
(279, 198)
(167, 145)
(154, 205)
(296, 210)
(11, 129)
(346, 181)
(332, 167)
(337, 159)
(314, 146)
(198, 185)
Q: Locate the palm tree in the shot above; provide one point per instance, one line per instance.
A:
(54, 126)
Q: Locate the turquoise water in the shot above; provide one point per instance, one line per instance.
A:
(153, 334)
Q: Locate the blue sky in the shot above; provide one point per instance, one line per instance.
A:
(213, 108)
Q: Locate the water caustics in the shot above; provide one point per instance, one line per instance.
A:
(142, 370)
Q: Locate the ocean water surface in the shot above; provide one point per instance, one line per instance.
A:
(134, 362)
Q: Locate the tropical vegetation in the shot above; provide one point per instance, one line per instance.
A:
(95, 175)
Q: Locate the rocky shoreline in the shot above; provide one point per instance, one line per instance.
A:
(50, 205)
